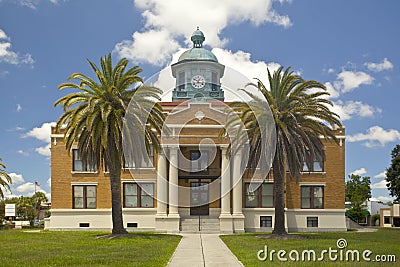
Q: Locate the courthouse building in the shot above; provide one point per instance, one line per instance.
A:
(191, 185)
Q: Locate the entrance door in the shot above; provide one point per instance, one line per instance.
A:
(199, 198)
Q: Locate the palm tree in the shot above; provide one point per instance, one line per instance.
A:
(37, 199)
(94, 119)
(5, 179)
(301, 115)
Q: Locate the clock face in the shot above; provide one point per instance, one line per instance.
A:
(198, 81)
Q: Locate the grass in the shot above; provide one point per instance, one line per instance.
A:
(22, 248)
(382, 242)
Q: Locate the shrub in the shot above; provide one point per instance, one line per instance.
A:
(374, 218)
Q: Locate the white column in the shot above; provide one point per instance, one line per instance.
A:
(225, 184)
(162, 184)
(173, 181)
(237, 214)
(237, 184)
(225, 218)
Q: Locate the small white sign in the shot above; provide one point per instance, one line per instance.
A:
(10, 210)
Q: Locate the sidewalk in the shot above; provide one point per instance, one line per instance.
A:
(202, 250)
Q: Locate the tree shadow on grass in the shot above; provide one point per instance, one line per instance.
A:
(114, 236)
(284, 237)
(130, 235)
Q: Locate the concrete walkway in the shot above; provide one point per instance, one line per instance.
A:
(202, 250)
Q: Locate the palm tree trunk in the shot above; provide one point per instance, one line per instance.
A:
(117, 220)
(114, 164)
(279, 190)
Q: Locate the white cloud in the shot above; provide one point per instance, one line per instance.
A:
(33, 3)
(4, 73)
(41, 133)
(16, 129)
(16, 178)
(347, 81)
(375, 136)
(382, 199)
(48, 182)
(44, 150)
(3, 35)
(381, 175)
(152, 46)
(359, 171)
(331, 70)
(168, 22)
(241, 62)
(378, 67)
(381, 184)
(21, 188)
(26, 187)
(19, 107)
(9, 56)
(9, 194)
(333, 93)
(23, 153)
(346, 110)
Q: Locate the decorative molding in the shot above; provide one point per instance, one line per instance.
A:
(84, 183)
(312, 183)
(85, 172)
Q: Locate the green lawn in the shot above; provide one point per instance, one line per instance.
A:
(20, 248)
(382, 242)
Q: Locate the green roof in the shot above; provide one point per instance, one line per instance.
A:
(367, 213)
(198, 53)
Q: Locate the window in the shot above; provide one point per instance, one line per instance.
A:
(181, 81)
(316, 166)
(78, 164)
(214, 81)
(259, 196)
(312, 221)
(199, 161)
(130, 164)
(312, 197)
(84, 196)
(265, 221)
(386, 220)
(139, 195)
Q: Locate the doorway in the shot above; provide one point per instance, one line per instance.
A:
(199, 198)
(396, 222)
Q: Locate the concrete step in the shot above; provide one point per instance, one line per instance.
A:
(191, 225)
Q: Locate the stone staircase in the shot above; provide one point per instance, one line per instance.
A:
(350, 224)
(203, 224)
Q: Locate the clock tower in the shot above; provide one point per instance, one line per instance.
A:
(197, 73)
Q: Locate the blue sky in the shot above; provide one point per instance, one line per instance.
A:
(350, 46)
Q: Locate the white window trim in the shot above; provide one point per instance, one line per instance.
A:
(141, 168)
(138, 181)
(258, 181)
(312, 184)
(85, 183)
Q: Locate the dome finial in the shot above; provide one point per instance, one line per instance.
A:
(197, 38)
